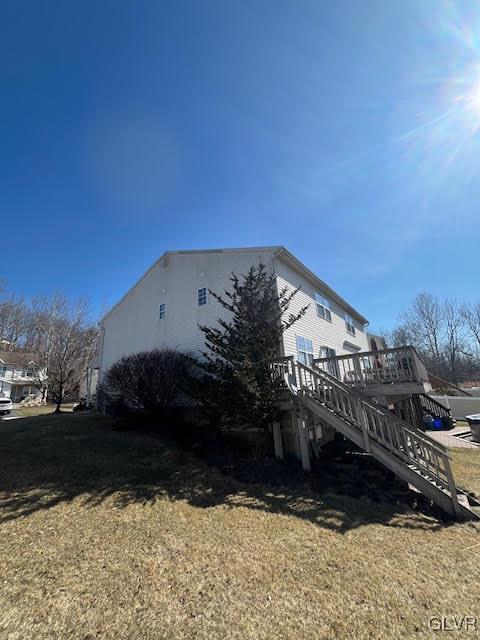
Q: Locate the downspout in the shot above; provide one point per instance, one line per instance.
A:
(100, 364)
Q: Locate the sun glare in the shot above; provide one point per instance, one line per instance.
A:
(472, 98)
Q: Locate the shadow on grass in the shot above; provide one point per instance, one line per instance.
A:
(50, 460)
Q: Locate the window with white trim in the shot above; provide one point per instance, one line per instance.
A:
(202, 296)
(327, 352)
(349, 323)
(162, 310)
(332, 366)
(323, 307)
(3, 371)
(305, 350)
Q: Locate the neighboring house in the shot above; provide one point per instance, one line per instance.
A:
(376, 343)
(19, 376)
(335, 377)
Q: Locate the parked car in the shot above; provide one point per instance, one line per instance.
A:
(5, 406)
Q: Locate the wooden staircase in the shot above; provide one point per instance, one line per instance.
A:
(407, 451)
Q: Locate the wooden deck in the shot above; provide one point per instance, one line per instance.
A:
(387, 371)
(401, 447)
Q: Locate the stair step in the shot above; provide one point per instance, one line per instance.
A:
(384, 431)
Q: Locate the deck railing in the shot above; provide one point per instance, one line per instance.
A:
(434, 407)
(385, 366)
(376, 423)
(283, 370)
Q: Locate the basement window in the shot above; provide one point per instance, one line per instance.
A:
(202, 296)
(323, 307)
(162, 311)
(349, 323)
(305, 350)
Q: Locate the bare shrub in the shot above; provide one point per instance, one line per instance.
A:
(153, 382)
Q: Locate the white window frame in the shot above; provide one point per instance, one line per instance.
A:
(201, 297)
(323, 307)
(349, 324)
(162, 310)
(306, 351)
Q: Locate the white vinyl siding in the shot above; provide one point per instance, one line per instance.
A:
(350, 324)
(133, 323)
(323, 307)
(332, 334)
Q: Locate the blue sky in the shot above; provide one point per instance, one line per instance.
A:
(347, 131)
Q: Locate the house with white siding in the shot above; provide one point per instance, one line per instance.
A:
(19, 375)
(333, 376)
(165, 307)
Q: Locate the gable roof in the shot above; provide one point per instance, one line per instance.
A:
(17, 357)
(276, 250)
(323, 287)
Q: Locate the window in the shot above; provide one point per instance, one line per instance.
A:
(327, 352)
(202, 296)
(323, 307)
(305, 350)
(162, 310)
(3, 371)
(349, 323)
(332, 366)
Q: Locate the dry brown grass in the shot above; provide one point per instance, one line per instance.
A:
(466, 468)
(41, 410)
(30, 412)
(112, 535)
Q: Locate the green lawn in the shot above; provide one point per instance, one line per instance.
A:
(109, 535)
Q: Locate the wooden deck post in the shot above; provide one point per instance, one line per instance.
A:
(362, 418)
(453, 489)
(303, 440)
(277, 440)
(358, 367)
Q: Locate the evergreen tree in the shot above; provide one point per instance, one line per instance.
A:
(239, 390)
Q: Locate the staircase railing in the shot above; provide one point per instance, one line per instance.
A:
(434, 407)
(377, 424)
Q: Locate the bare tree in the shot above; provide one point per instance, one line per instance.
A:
(446, 334)
(13, 321)
(470, 313)
(57, 331)
(424, 322)
(65, 342)
(453, 346)
(400, 336)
